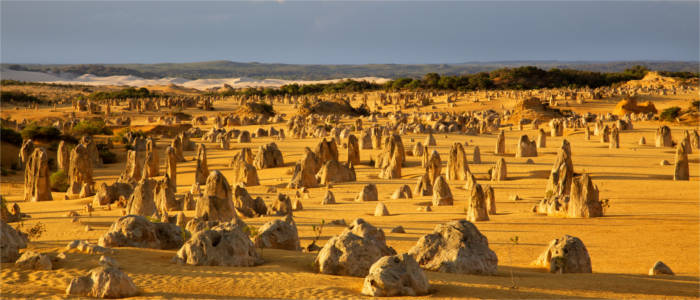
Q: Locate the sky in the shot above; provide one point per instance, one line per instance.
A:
(347, 32)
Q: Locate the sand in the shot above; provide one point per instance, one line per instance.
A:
(135, 81)
(650, 218)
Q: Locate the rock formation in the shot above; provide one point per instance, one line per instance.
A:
(222, 245)
(565, 255)
(269, 156)
(525, 147)
(202, 169)
(278, 234)
(36, 177)
(398, 275)
(80, 172)
(137, 231)
(476, 205)
(442, 195)
(368, 193)
(457, 166)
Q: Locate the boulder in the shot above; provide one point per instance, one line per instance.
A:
(583, 199)
(368, 193)
(244, 137)
(80, 172)
(304, 174)
(34, 261)
(278, 234)
(457, 166)
(202, 169)
(334, 171)
(565, 255)
(403, 192)
(222, 245)
(246, 206)
(36, 177)
(380, 210)
(245, 173)
(108, 194)
(397, 275)
(103, 282)
(423, 186)
(216, 202)
(660, 268)
(282, 206)
(142, 200)
(525, 147)
(455, 247)
(442, 195)
(269, 156)
(328, 198)
(137, 231)
(476, 205)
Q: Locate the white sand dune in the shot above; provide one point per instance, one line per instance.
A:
(135, 81)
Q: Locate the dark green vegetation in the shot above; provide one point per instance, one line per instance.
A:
(91, 127)
(59, 181)
(37, 132)
(11, 136)
(15, 96)
(122, 94)
(223, 69)
(670, 114)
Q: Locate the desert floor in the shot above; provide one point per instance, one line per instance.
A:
(650, 218)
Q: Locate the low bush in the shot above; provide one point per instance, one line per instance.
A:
(670, 114)
(10, 136)
(59, 181)
(36, 132)
(91, 127)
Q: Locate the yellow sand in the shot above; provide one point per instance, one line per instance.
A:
(650, 218)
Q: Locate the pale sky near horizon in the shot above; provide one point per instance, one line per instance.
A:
(347, 32)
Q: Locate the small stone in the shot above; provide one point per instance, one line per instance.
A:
(664, 163)
(660, 268)
(108, 262)
(398, 229)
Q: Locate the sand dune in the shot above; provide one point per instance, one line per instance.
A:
(135, 81)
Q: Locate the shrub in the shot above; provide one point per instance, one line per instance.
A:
(7, 96)
(670, 114)
(10, 136)
(108, 157)
(91, 127)
(59, 181)
(36, 132)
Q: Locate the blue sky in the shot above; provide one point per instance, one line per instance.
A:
(347, 32)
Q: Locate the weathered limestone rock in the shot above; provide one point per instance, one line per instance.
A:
(107, 194)
(476, 159)
(392, 158)
(80, 172)
(36, 177)
(328, 198)
(63, 157)
(660, 268)
(663, 137)
(34, 261)
(681, 171)
(490, 199)
(142, 200)
(559, 181)
(222, 245)
(455, 247)
(457, 166)
(353, 251)
(605, 134)
(442, 195)
(423, 187)
(304, 174)
(500, 144)
(334, 171)
(614, 138)
(12, 241)
(246, 206)
(583, 200)
(25, 151)
(137, 231)
(430, 140)
(499, 172)
(525, 147)
(103, 282)
(353, 150)
(398, 275)
(541, 139)
(244, 137)
(152, 160)
(368, 193)
(380, 210)
(565, 255)
(642, 141)
(245, 173)
(133, 172)
(171, 165)
(177, 144)
(325, 151)
(278, 234)
(269, 156)
(92, 151)
(434, 167)
(417, 150)
(476, 205)
(202, 169)
(282, 206)
(403, 192)
(165, 196)
(216, 204)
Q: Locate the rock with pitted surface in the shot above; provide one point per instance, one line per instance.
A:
(246, 206)
(222, 245)
(137, 231)
(282, 206)
(455, 247)
(34, 261)
(368, 193)
(216, 202)
(565, 255)
(12, 241)
(398, 275)
(245, 173)
(442, 195)
(103, 282)
(278, 234)
(525, 147)
(333, 171)
(269, 156)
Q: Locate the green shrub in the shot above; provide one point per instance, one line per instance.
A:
(7, 96)
(108, 157)
(670, 114)
(91, 127)
(10, 136)
(36, 132)
(59, 181)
